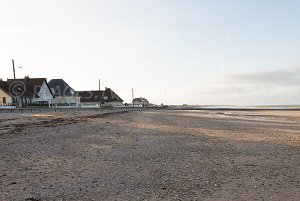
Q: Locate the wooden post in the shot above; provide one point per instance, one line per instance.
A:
(132, 98)
(14, 70)
(100, 96)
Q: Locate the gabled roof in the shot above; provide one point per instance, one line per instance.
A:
(111, 96)
(27, 87)
(140, 99)
(94, 96)
(61, 88)
(90, 96)
(4, 86)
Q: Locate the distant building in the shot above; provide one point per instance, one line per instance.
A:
(30, 91)
(64, 95)
(128, 105)
(5, 98)
(141, 102)
(92, 98)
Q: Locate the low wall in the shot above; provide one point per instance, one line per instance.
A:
(46, 110)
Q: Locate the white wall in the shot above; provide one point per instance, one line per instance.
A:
(114, 104)
(96, 104)
(66, 99)
(44, 94)
(4, 95)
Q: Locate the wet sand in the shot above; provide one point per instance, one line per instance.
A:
(151, 155)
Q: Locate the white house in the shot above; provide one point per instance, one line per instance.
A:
(140, 102)
(30, 92)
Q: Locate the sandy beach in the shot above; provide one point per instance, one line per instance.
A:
(150, 155)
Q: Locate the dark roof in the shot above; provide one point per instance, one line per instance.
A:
(61, 88)
(111, 96)
(94, 96)
(27, 87)
(140, 99)
(4, 86)
(90, 96)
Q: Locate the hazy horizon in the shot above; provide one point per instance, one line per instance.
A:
(173, 52)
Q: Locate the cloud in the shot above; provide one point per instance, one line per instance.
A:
(267, 87)
(283, 77)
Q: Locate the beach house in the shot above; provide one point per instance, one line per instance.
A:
(92, 98)
(64, 95)
(5, 98)
(141, 102)
(30, 92)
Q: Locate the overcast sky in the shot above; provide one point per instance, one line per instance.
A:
(170, 51)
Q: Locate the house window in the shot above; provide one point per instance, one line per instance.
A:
(4, 100)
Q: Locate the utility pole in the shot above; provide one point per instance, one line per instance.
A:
(100, 95)
(132, 98)
(14, 70)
